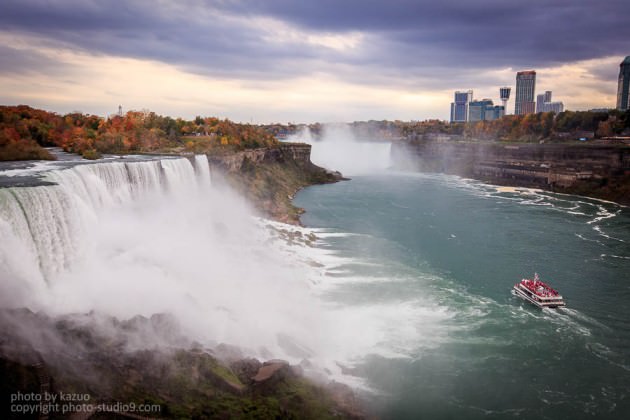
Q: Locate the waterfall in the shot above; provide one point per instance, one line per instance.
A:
(202, 169)
(139, 238)
(51, 220)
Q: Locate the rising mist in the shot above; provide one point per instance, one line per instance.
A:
(339, 148)
(143, 238)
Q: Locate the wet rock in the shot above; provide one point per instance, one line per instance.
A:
(245, 369)
(272, 371)
(346, 400)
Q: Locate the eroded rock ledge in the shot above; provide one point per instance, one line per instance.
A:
(270, 177)
(595, 170)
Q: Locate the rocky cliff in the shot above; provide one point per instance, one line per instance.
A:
(298, 153)
(270, 176)
(596, 169)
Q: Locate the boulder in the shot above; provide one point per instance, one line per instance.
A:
(272, 372)
(245, 369)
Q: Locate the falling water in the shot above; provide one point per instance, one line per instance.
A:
(139, 238)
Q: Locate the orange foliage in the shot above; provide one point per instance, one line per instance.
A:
(135, 131)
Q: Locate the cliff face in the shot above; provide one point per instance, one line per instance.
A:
(269, 177)
(597, 170)
(298, 153)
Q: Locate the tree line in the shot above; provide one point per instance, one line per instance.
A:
(24, 131)
(564, 126)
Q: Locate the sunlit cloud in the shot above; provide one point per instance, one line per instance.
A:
(97, 84)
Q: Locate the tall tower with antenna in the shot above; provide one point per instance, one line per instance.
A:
(504, 94)
(120, 110)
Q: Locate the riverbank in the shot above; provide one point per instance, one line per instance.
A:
(595, 170)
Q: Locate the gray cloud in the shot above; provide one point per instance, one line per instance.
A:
(413, 42)
(23, 61)
(482, 32)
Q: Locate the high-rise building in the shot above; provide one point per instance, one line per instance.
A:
(459, 108)
(528, 107)
(494, 112)
(525, 88)
(623, 89)
(484, 110)
(540, 102)
(544, 104)
(477, 109)
(556, 107)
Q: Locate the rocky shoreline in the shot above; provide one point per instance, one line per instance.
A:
(598, 170)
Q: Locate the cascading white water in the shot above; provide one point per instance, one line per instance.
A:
(131, 238)
(202, 169)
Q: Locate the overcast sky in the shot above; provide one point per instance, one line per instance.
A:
(304, 61)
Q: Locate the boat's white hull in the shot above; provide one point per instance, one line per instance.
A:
(541, 303)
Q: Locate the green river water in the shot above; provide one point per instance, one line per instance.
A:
(438, 255)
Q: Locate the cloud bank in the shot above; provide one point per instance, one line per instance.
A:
(402, 58)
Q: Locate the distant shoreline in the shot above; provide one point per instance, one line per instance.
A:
(599, 171)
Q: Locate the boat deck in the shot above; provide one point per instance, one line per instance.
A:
(538, 293)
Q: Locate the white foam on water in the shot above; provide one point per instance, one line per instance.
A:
(600, 232)
(621, 257)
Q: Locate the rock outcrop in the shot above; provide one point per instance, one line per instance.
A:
(298, 153)
(269, 177)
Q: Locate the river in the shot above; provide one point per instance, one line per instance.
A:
(435, 257)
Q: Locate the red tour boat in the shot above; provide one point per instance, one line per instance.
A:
(538, 293)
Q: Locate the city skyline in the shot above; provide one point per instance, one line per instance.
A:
(466, 108)
(280, 60)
